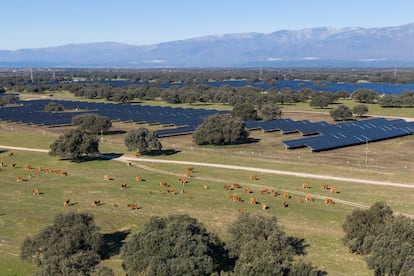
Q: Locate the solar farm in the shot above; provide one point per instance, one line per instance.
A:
(318, 136)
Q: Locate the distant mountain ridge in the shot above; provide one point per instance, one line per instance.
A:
(323, 46)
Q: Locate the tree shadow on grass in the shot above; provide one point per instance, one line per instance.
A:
(298, 245)
(112, 243)
(162, 152)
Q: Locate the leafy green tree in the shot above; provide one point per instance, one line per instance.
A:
(362, 227)
(54, 107)
(221, 129)
(364, 96)
(270, 111)
(393, 249)
(342, 112)
(261, 247)
(75, 145)
(244, 110)
(320, 101)
(360, 110)
(67, 247)
(8, 99)
(92, 123)
(142, 140)
(173, 245)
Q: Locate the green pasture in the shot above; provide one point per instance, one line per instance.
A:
(23, 214)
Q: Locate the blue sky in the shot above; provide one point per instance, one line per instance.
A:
(44, 23)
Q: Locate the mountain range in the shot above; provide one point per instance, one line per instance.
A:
(313, 47)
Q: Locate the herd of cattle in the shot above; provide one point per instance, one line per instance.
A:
(166, 188)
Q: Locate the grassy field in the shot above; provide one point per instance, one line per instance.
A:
(22, 213)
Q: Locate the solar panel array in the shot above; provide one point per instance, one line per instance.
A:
(325, 136)
(184, 120)
(332, 136)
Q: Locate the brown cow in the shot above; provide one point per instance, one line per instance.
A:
(205, 187)
(252, 201)
(124, 185)
(19, 179)
(163, 184)
(27, 167)
(66, 202)
(264, 206)
(47, 169)
(308, 198)
(329, 201)
(11, 154)
(284, 204)
(253, 177)
(235, 185)
(264, 191)
(35, 192)
(171, 191)
(106, 177)
(299, 200)
(324, 187)
(228, 187)
(306, 186)
(235, 198)
(188, 174)
(96, 202)
(37, 168)
(334, 190)
(182, 180)
(129, 164)
(286, 195)
(275, 193)
(132, 206)
(138, 178)
(246, 191)
(241, 211)
(14, 165)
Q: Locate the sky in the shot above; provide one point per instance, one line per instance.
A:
(48, 23)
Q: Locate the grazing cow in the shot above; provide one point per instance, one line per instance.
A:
(308, 198)
(264, 206)
(252, 201)
(124, 185)
(182, 192)
(205, 187)
(275, 193)
(228, 187)
(35, 192)
(19, 179)
(96, 202)
(306, 186)
(246, 191)
(329, 201)
(235, 185)
(138, 178)
(171, 191)
(264, 191)
(299, 200)
(253, 177)
(129, 164)
(333, 190)
(188, 174)
(47, 169)
(27, 167)
(163, 184)
(235, 198)
(14, 165)
(66, 202)
(284, 204)
(106, 177)
(286, 195)
(11, 154)
(189, 169)
(324, 187)
(182, 181)
(137, 154)
(132, 206)
(241, 211)
(37, 168)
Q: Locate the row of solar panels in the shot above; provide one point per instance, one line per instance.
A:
(32, 112)
(352, 133)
